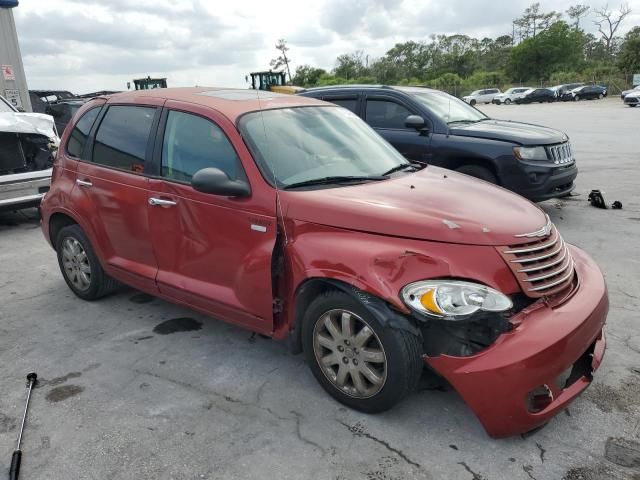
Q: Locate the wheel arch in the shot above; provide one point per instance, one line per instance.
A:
(57, 221)
(379, 308)
(455, 163)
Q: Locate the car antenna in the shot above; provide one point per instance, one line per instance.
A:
(273, 172)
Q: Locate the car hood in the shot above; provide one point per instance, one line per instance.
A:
(433, 204)
(633, 94)
(38, 123)
(508, 131)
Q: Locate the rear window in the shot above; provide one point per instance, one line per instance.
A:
(122, 138)
(80, 132)
(348, 103)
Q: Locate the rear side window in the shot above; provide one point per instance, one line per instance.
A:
(79, 134)
(192, 143)
(123, 134)
(348, 103)
(386, 114)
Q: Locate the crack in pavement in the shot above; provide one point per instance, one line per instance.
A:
(356, 432)
(298, 417)
(476, 476)
(528, 469)
(542, 451)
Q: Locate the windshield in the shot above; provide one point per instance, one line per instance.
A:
(294, 145)
(447, 108)
(4, 106)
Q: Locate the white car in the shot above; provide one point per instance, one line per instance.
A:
(28, 144)
(632, 99)
(510, 95)
(482, 96)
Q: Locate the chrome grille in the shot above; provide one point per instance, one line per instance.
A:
(543, 267)
(561, 154)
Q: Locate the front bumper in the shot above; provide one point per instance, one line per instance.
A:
(538, 181)
(23, 189)
(546, 342)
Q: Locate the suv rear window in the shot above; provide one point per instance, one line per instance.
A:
(122, 138)
(79, 134)
(348, 103)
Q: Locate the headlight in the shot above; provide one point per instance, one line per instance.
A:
(453, 299)
(530, 153)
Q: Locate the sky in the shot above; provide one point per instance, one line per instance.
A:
(88, 45)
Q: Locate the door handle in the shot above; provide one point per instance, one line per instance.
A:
(161, 202)
(84, 183)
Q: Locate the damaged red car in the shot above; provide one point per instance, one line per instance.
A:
(292, 218)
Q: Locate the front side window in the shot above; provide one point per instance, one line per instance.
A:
(348, 103)
(122, 138)
(386, 114)
(80, 132)
(192, 143)
(448, 108)
(294, 145)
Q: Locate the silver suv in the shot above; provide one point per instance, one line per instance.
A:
(482, 96)
(28, 144)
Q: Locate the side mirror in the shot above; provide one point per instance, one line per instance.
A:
(216, 182)
(416, 122)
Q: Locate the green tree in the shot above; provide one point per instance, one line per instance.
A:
(629, 57)
(351, 65)
(282, 59)
(576, 12)
(534, 21)
(557, 48)
(307, 76)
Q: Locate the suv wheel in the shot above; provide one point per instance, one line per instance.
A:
(472, 102)
(359, 362)
(80, 266)
(507, 101)
(478, 172)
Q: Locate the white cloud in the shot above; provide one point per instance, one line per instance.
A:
(88, 45)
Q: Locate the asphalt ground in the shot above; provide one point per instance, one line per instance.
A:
(124, 394)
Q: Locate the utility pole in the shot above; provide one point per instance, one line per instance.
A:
(13, 82)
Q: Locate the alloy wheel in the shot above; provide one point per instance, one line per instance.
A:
(349, 353)
(75, 263)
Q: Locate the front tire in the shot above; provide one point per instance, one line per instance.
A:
(472, 103)
(507, 101)
(80, 266)
(358, 361)
(576, 98)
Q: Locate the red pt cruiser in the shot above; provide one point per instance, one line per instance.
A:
(292, 218)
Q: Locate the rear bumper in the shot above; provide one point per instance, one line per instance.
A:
(23, 189)
(546, 342)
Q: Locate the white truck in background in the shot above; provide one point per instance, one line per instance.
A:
(28, 145)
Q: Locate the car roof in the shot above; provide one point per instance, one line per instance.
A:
(397, 88)
(232, 102)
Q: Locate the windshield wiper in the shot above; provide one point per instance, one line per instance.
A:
(397, 168)
(335, 180)
(462, 121)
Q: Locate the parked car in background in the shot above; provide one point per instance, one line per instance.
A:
(28, 143)
(482, 96)
(321, 233)
(510, 95)
(537, 95)
(627, 92)
(586, 92)
(433, 127)
(632, 99)
(560, 90)
(63, 111)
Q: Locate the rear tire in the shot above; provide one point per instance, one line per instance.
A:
(632, 105)
(356, 342)
(80, 266)
(507, 101)
(478, 172)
